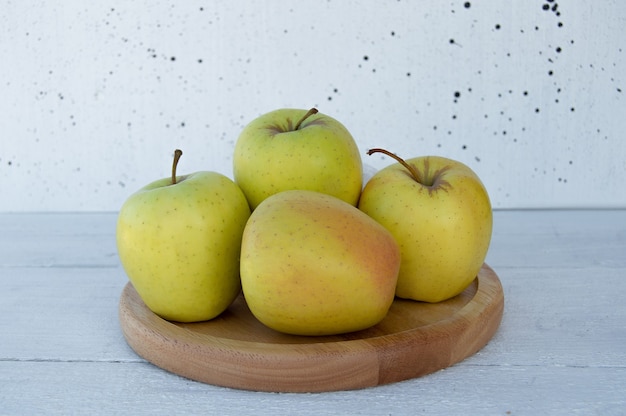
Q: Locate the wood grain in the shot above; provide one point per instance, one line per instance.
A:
(236, 350)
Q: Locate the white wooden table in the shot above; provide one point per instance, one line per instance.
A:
(561, 347)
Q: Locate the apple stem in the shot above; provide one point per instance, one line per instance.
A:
(307, 115)
(177, 154)
(410, 168)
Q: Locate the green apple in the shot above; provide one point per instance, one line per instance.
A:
(290, 149)
(439, 212)
(312, 264)
(179, 241)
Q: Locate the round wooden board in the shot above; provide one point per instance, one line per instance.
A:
(236, 350)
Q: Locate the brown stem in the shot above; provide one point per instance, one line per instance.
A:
(410, 168)
(177, 154)
(307, 115)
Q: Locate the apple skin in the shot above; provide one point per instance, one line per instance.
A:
(270, 156)
(180, 244)
(312, 264)
(443, 229)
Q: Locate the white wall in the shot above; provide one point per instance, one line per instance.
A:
(95, 96)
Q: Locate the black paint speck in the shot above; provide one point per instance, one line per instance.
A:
(498, 26)
(173, 58)
(457, 94)
(467, 5)
(366, 58)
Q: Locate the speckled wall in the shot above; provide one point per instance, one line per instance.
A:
(95, 96)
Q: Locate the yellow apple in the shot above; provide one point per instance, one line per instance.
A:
(297, 149)
(312, 264)
(440, 214)
(179, 241)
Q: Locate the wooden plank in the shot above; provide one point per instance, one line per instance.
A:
(561, 317)
(520, 238)
(61, 302)
(557, 317)
(575, 238)
(58, 240)
(52, 388)
(559, 349)
(61, 314)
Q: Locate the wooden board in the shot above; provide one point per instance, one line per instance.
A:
(235, 350)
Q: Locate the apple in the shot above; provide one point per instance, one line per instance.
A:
(179, 241)
(440, 214)
(290, 149)
(312, 264)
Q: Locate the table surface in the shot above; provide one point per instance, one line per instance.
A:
(561, 347)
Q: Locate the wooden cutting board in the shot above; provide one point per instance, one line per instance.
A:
(236, 350)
